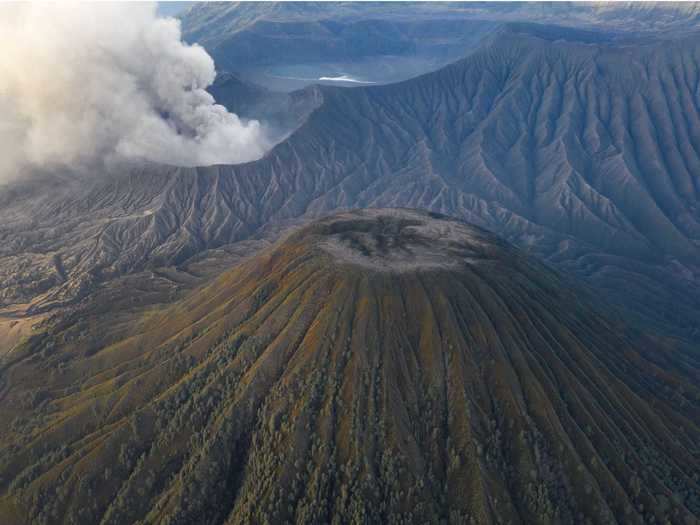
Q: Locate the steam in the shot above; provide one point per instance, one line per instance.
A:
(88, 83)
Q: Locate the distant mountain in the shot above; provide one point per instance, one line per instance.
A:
(295, 44)
(584, 153)
(270, 39)
(377, 366)
(211, 23)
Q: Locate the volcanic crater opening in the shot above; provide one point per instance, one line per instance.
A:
(399, 240)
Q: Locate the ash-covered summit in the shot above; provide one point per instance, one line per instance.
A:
(400, 240)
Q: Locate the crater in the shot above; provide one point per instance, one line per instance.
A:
(400, 240)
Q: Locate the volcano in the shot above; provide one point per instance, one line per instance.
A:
(374, 366)
(580, 149)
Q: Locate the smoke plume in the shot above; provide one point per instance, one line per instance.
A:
(87, 83)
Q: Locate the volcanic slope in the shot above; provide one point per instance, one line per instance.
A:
(582, 151)
(377, 366)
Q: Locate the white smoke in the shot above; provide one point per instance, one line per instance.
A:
(87, 83)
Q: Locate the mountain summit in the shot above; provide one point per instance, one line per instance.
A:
(376, 366)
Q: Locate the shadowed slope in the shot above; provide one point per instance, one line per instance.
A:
(381, 366)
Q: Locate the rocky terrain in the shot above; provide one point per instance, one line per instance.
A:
(580, 150)
(376, 366)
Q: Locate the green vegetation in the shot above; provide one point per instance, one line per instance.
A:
(303, 388)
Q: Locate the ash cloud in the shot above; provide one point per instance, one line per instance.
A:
(85, 84)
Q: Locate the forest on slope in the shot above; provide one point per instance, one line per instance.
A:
(376, 366)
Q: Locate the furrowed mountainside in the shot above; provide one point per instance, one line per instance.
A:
(580, 150)
(376, 366)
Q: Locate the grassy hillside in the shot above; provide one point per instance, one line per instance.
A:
(381, 366)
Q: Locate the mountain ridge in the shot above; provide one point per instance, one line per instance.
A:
(549, 144)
